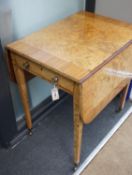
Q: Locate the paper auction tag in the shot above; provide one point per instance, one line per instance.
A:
(55, 93)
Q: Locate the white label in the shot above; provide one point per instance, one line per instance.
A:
(55, 93)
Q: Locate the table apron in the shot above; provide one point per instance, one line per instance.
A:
(43, 72)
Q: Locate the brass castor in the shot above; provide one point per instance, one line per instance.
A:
(75, 167)
(118, 110)
(30, 132)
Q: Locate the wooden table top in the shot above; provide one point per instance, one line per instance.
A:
(77, 46)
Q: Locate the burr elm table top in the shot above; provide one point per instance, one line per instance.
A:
(76, 46)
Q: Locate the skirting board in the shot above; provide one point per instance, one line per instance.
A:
(102, 143)
(38, 113)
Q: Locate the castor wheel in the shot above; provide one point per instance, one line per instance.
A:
(75, 167)
(118, 110)
(30, 132)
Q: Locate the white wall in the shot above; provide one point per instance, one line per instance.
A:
(29, 16)
(119, 9)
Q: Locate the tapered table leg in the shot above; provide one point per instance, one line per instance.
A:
(123, 97)
(20, 77)
(78, 127)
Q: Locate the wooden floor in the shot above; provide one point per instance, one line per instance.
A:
(116, 157)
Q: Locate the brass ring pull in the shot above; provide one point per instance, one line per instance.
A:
(26, 65)
(55, 80)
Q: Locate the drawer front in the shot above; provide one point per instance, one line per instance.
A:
(46, 74)
(104, 85)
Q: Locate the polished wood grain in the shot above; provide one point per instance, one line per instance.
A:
(123, 96)
(20, 76)
(104, 85)
(86, 53)
(78, 124)
(76, 45)
(46, 74)
(28, 75)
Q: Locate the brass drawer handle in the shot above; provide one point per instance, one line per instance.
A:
(26, 65)
(55, 80)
